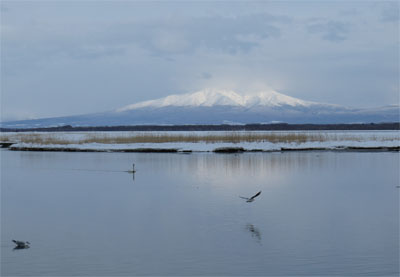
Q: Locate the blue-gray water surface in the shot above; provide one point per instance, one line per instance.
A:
(319, 213)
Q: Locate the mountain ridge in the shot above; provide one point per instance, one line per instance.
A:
(214, 97)
(211, 106)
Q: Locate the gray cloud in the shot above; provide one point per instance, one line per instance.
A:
(40, 43)
(3, 7)
(80, 57)
(349, 12)
(206, 75)
(331, 30)
(94, 51)
(185, 35)
(391, 13)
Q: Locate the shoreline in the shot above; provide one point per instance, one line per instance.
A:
(188, 142)
(215, 150)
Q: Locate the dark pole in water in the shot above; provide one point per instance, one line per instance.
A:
(133, 167)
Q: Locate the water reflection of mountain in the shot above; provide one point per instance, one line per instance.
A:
(232, 166)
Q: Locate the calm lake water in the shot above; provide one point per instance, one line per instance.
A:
(320, 213)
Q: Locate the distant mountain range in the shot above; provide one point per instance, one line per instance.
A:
(211, 106)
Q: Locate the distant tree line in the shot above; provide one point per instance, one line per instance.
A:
(222, 127)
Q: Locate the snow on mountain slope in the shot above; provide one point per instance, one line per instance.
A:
(211, 106)
(214, 97)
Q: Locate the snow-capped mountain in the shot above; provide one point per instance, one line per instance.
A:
(212, 106)
(213, 97)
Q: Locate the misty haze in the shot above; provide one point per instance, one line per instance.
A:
(199, 138)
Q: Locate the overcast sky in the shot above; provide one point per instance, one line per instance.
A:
(74, 57)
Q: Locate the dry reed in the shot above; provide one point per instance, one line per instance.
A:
(228, 137)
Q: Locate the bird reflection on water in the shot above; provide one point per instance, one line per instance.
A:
(255, 232)
(133, 171)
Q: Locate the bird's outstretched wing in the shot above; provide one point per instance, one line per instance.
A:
(244, 197)
(254, 196)
(19, 243)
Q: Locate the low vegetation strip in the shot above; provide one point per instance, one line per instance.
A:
(222, 127)
(224, 150)
(206, 137)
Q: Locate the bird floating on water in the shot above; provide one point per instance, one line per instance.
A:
(21, 244)
(251, 199)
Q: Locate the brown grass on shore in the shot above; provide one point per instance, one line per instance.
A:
(36, 139)
(207, 138)
(228, 137)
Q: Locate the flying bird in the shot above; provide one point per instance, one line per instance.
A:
(21, 244)
(251, 199)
